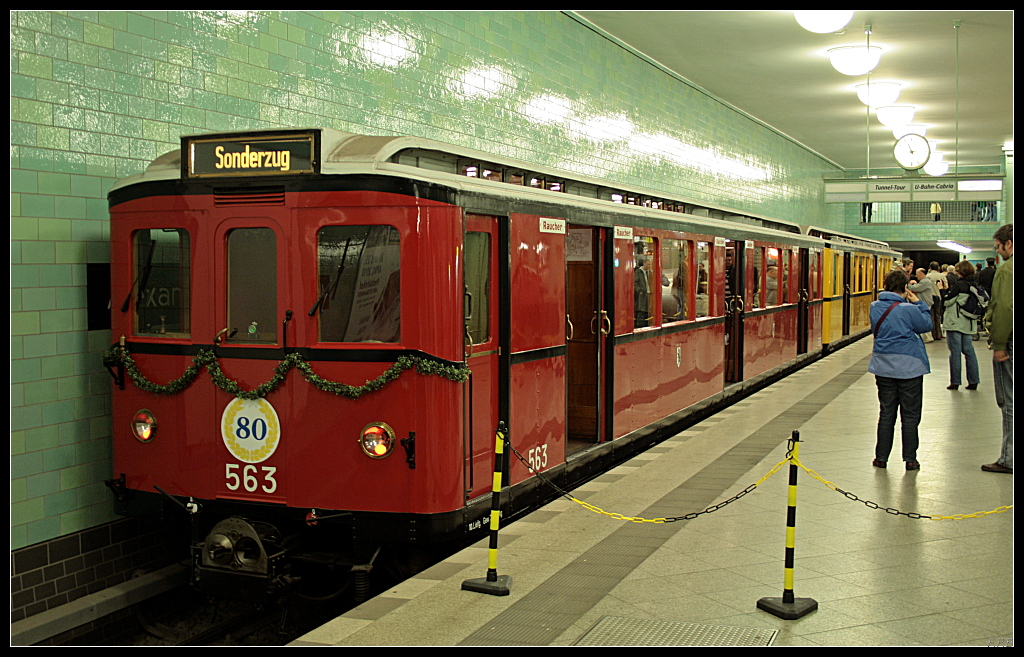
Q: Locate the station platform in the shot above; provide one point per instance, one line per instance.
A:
(583, 578)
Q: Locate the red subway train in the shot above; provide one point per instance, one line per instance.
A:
(317, 334)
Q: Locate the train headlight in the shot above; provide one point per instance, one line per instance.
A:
(377, 440)
(144, 425)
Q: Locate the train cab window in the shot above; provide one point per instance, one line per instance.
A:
(252, 286)
(478, 286)
(646, 285)
(703, 254)
(162, 282)
(359, 296)
(676, 281)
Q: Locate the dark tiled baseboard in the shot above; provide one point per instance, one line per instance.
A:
(55, 572)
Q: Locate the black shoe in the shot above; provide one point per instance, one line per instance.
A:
(913, 465)
(996, 467)
(972, 386)
(878, 463)
(952, 386)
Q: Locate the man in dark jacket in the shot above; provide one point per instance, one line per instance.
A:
(986, 275)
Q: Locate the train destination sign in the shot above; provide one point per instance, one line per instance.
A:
(259, 155)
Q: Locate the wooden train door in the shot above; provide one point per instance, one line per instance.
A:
(481, 310)
(588, 326)
(847, 269)
(249, 273)
(735, 274)
(803, 301)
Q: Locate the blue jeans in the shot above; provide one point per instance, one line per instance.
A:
(961, 343)
(1003, 377)
(906, 396)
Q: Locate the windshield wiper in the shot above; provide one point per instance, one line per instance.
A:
(144, 275)
(333, 285)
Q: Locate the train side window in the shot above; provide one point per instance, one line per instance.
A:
(816, 292)
(677, 281)
(252, 286)
(703, 278)
(646, 283)
(359, 291)
(478, 287)
(759, 272)
(784, 275)
(772, 277)
(837, 274)
(162, 282)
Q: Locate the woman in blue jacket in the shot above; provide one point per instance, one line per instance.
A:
(899, 362)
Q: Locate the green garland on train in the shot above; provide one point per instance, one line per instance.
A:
(118, 355)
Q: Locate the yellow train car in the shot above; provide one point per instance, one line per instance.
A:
(853, 271)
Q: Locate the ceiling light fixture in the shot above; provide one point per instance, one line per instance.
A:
(855, 60)
(936, 166)
(893, 116)
(877, 94)
(916, 128)
(823, 22)
(954, 246)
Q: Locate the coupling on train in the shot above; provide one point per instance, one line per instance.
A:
(318, 333)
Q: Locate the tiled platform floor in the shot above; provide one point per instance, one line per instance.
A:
(878, 578)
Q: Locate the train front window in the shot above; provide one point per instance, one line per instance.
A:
(161, 282)
(252, 286)
(359, 284)
(478, 285)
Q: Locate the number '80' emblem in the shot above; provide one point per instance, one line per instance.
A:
(251, 429)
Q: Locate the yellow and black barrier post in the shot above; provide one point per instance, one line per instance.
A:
(493, 584)
(789, 607)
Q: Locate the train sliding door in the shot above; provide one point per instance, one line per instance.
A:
(481, 311)
(735, 304)
(588, 325)
(803, 302)
(847, 282)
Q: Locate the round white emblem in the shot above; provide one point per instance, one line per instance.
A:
(251, 429)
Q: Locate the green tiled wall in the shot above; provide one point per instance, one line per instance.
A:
(95, 95)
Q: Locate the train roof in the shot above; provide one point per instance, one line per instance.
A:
(843, 239)
(340, 153)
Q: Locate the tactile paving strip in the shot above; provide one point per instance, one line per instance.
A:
(615, 631)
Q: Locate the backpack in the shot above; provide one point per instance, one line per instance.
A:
(977, 301)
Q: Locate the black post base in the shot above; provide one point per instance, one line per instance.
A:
(788, 610)
(481, 585)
